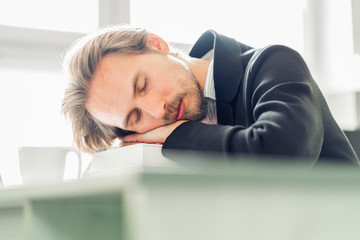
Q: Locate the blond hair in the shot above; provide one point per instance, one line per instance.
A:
(80, 63)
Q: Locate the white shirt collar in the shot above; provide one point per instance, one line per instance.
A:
(209, 91)
(209, 87)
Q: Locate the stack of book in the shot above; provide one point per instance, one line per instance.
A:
(138, 157)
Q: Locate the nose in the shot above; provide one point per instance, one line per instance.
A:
(154, 107)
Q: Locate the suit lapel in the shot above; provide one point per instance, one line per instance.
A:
(228, 70)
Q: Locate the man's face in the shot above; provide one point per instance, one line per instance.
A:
(142, 92)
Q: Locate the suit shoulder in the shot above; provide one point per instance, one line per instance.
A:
(275, 56)
(278, 51)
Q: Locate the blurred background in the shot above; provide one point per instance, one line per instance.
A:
(34, 35)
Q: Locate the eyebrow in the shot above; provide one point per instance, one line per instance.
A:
(135, 80)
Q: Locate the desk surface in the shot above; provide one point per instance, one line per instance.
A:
(248, 202)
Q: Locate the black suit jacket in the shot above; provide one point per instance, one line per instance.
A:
(267, 103)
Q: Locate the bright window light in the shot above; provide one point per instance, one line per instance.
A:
(257, 23)
(64, 15)
(30, 103)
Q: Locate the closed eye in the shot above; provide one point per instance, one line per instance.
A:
(144, 87)
(138, 115)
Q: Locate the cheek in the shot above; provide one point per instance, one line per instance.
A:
(164, 86)
(168, 79)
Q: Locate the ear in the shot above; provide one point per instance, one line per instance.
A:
(157, 43)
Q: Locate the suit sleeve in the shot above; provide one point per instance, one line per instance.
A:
(280, 99)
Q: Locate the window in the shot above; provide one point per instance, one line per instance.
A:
(30, 115)
(256, 23)
(33, 35)
(64, 15)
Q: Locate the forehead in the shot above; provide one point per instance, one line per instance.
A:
(110, 88)
(110, 76)
(113, 63)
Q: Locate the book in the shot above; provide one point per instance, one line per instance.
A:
(137, 157)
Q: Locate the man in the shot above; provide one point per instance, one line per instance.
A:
(128, 84)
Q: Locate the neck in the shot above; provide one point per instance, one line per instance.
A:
(199, 67)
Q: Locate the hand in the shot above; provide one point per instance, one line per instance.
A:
(156, 136)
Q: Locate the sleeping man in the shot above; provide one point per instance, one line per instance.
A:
(224, 96)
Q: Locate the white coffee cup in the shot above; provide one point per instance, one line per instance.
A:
(45, 165)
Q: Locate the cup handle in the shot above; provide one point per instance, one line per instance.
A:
(78, 154)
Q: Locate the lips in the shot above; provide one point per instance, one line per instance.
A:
(180, 111)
